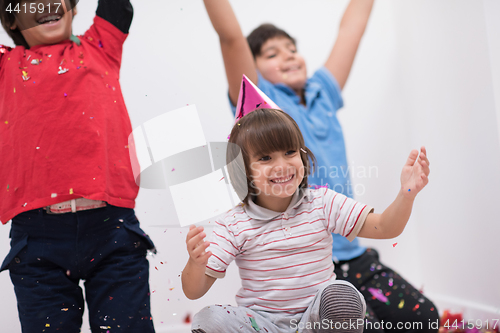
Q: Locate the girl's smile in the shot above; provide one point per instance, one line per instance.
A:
(276, 177)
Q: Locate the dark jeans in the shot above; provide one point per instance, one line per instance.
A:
(390, 300)
(105, 247)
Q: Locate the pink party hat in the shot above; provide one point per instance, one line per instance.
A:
(251, 98)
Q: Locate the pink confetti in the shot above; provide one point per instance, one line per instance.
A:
(394, 245)
(378, 294)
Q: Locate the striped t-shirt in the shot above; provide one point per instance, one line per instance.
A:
(284, 258)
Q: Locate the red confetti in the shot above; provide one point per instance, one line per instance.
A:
(394, 245)
(187, 319)
(416, 307)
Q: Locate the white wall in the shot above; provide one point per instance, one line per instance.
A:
(427, 73)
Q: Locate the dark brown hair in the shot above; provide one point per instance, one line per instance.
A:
(262, 132)
(262, 33)
(8, 18)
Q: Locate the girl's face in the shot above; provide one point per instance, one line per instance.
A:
(279, 62)
(276, 177)
(44, 22)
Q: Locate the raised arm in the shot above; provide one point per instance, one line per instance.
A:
(117, 12)
(392, 221)
(238, 59)
(195, 283)
(352, 28)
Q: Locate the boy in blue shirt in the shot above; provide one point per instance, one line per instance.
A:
(269, 58)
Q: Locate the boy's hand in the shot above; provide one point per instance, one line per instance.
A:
(196, 246)
(415, 173)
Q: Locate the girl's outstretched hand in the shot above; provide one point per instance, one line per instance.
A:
(415, 173)
(196, 246)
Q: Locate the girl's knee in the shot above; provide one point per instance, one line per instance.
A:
(208, 320)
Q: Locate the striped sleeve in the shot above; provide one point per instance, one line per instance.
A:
(224, 250)
(343, 215)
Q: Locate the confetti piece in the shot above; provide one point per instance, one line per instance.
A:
(25, 76)
(173, 169)
(358, 276)
(65, 95)
(91, 259)
(394, 245)
(35, 62)
(47, 325)
(391, 281)
(416, 307)
(65, 309)
(71, 191)
(409, 190)
(378, 294)
(401, 304)
(221, 179)
(110, 298)
(53, 195)
(62, 70)
(302, 149)
(100, 44)
(254, 324)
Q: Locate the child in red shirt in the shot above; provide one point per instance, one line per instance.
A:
(67, 181)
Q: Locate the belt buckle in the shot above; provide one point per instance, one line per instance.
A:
(47, 209)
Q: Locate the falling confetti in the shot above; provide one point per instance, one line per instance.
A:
(377, 293)
(71, 191)
(401, 304)
(394, 245)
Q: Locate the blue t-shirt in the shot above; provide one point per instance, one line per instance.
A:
(323, 135)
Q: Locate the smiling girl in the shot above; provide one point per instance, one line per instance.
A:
(280, 236)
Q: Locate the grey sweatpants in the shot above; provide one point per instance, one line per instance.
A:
(231, 319)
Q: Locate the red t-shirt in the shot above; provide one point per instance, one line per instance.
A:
(64, 126)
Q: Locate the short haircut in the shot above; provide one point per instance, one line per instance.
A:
(8, 18)
(262, 132)
(262, 33)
